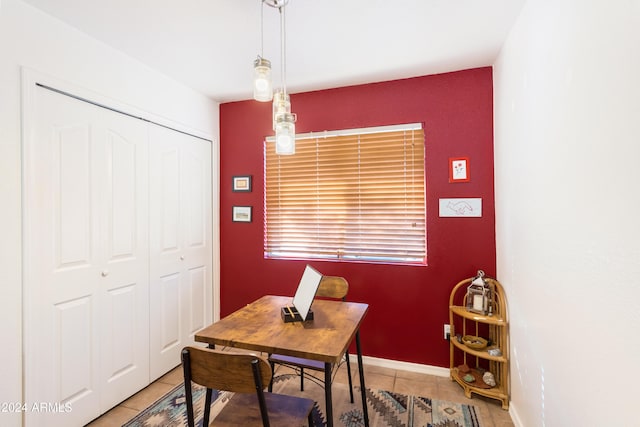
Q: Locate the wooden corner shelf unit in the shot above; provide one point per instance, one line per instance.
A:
(494, 328)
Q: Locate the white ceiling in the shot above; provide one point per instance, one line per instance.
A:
(210, 45)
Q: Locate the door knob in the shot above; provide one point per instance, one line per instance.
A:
(105, 273)
(181, 257)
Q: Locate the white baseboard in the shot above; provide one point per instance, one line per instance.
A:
(403, 366)
(513, 412)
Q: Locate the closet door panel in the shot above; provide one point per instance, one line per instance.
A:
(197, 299)
(166, 275)
(169, 304)
(195, 198)
(71, 171)
(180, 244)
(121, 314)
(74, 339)
(166, 168)
(62, 261)
(122, 207)
(125, 257)
(197, 220)
(86, 254)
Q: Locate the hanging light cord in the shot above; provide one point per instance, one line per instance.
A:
(261, 29)
(283, 52)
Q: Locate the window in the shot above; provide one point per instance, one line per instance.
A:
(354, 195)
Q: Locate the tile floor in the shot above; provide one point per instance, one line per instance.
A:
(490, 411)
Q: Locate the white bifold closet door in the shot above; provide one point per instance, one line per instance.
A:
(118, 254)
(180, 246)
(86, 240)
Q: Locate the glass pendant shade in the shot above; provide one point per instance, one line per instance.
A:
(262, 87)
(286, 134)
(281, 105)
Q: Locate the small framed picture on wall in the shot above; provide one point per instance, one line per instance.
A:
(242, 183)
(459, 169)
(241, 214)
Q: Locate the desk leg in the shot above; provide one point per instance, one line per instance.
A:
(328, 402)
(365, 411)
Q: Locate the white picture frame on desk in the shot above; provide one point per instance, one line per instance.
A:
(306, 291)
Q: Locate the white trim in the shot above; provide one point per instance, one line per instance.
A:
(348, 132)
(402, 366)
(515, 417)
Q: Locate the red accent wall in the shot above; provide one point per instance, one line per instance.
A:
(407, 304)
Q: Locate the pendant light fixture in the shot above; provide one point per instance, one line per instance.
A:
(286, 134)
(262, 86)
(283, 120)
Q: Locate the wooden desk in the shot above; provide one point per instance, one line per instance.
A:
(259, 327)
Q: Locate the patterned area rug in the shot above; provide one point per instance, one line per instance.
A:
(385, 408)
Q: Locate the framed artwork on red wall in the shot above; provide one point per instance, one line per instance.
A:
(459, 169)
(242, 214)
(242, 184)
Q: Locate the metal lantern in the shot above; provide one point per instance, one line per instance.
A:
(479, 295)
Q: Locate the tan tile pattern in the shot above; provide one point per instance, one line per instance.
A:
(490, 411)
(139, 401)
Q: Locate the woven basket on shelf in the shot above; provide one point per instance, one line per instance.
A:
(476, 343)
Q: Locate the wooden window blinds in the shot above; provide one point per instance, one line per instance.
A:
(358, 196)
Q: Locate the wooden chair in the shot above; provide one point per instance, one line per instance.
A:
(245, 375)
(330, 287)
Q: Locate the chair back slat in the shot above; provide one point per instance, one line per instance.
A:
(333, 287)
(226, 371)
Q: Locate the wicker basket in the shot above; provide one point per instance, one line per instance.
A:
(476, 343)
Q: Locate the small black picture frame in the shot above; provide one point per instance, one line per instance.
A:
(242, 184)
(242, 214)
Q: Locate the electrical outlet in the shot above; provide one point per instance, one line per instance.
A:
(447, 332)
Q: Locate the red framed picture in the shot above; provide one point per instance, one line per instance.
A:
(459, 169)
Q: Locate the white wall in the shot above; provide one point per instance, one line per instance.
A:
(32, 39)
(567, 145)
